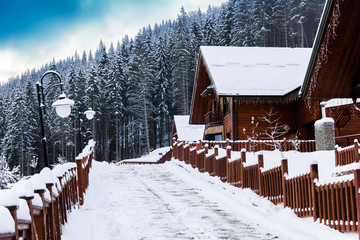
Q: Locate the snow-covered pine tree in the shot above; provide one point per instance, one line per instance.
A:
(225, 25)
(162, 93)
(181, 57)
(141, 75)
(8, 175)
(31, 133)
(262, 11)
(209, 28)
(13, 141)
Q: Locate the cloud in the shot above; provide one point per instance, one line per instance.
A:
(123, 18)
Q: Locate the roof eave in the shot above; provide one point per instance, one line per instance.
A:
(316, 47)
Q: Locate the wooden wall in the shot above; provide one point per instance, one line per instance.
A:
(352, 127)
(294, 114)
(200, 105)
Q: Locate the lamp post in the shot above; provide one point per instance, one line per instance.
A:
(89, 115)
(62, 107)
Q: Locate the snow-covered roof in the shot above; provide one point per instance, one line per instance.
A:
(186, 131)
(256, 71)
(335, 102)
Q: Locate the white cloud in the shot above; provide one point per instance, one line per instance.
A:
(86, 35)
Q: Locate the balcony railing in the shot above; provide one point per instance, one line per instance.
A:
(213, 118)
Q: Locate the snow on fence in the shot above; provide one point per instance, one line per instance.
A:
(336, 203)
(249, 176)
(220, 165)
(259, 145)
(299, 192)
(347, 155)
(83, 163)
(165, 157)
(233, 172)
(37, 207)
(270, 182)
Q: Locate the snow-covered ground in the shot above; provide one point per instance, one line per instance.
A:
(175, 201)
(152, 157)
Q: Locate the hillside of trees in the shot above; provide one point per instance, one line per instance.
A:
(136, 85)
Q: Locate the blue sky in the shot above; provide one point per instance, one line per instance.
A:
(33, 32)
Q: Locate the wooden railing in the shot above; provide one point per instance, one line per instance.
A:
(200, 158)
(260, 145)
(249, 177)
(335, 204)
(47, 198)
(347, 155)
(271, 184)
(299, 192)
(210, 162)
(233, 172)
(220, 167)
(213, 118)
(347, 140)
(166, 157)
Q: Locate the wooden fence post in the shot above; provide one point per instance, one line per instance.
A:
(80, 181)
(51, 214)
(356, 145)
(357, 194)
(243, 160)
(285, 145)
(284, 170)
(336, 156)
(228, 152)
(260, 165)
(13, 212)
(314, 174)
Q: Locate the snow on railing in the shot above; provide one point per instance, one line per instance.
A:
(257, 145)
(83, 163)
(35, 208)
(347, 155)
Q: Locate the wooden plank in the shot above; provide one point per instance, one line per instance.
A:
(347, 205)
(352, 205)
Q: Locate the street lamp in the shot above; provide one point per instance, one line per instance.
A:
(89, 115)
(62, 106)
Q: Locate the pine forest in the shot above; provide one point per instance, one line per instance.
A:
(137, 85)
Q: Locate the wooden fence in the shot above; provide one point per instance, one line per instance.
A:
(260, 145)
(271, 183)
(54, 193)
(335, 204)
(299, 191)
(347, 155)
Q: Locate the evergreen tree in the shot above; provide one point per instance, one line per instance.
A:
(181, 57)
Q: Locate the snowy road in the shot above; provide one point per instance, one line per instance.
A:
(174, 201)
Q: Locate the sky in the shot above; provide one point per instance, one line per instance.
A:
(34, 32)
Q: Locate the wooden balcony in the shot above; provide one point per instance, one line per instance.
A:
(213, 118)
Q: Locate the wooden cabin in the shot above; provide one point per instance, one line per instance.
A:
(182, 130)
(334, 69)
(235, 87)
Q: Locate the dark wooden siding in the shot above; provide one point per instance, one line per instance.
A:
(200, 105)
(295, 114)
(228, 121)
